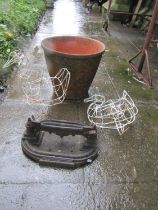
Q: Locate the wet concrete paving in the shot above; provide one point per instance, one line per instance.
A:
(125, 175)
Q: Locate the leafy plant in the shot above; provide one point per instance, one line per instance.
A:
(19, 19)
(6, 41)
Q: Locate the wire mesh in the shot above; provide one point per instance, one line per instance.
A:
(112, 114)
(39, 91)
(110, 110)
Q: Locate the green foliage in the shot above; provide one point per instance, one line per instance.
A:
(20, 18)
(6, 41)
(23, 15)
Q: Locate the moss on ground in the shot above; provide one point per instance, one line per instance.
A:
(148, 117)
(124, 77)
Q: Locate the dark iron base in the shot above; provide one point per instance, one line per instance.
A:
(60, 143)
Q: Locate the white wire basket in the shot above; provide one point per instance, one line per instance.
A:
(112, 114)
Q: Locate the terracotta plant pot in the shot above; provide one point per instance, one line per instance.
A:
(80, 55)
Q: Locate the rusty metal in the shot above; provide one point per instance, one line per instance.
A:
(134, 14)
(129, 13)
(33, 139)
(80, 55)
(144, 52)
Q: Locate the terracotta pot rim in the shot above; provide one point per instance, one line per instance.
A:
(73, 55)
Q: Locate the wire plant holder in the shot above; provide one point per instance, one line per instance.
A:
(112, 114)
(25, 72)
(60, 85)
(31, 90)
(34, 90)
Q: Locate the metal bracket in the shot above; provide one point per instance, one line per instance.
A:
(144, 52)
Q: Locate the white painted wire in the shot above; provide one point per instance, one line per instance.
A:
(33, 89)
(24, 72)
(112, 114)
(60, 85)
(14, 57)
